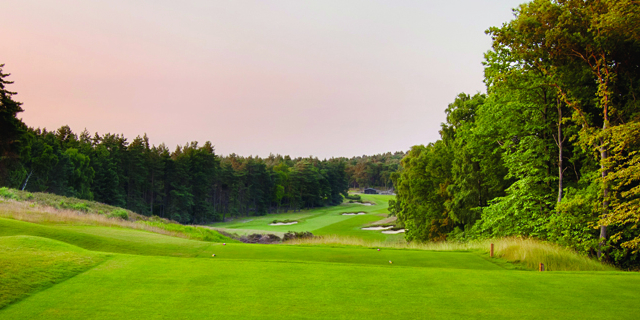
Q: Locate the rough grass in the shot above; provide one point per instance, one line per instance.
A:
(29, 264)
(60, 202)
(526, 252)
(43, 214)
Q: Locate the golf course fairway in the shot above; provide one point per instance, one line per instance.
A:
(76, 271)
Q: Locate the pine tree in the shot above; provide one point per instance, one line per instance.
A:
(11, 128)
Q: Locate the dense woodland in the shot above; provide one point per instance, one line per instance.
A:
(551, 151)
(373, 171)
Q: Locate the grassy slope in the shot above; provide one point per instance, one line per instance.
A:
(46, 208)
(29, 264)
(108, 239)
(116, 240)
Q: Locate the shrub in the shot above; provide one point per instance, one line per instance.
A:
(355, 197)
(291, 235)
(283, 221)
(119, 213)
(6, 193)
(79, 207)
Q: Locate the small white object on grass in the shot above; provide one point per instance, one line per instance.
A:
(378, 249)
(224, 244)
(213, 255)
(390, 261)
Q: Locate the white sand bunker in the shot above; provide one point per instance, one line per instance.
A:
(283, 223)
(378, 228)
(353, 213)
(393, 231)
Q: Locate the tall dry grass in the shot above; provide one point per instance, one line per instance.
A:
(526, 252)
(31, 212)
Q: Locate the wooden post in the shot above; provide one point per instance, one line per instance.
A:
(491, 254)
(541, 266)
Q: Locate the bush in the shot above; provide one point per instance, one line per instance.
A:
(355, 197)
(119, 213)
(297, 235)
(79, 207)
(283, 221)
(6, 193)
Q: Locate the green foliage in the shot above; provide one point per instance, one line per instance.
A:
(7, 194)
(283, 221)
(119, 213)
(551, 151)
(373, 171)
(11, 131)
(355, 197)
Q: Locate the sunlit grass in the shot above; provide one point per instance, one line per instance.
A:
(29, 264)
(527, 252)
(42, 214)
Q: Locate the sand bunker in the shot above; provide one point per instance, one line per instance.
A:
(378, 228)
(353, 213)
(393, 231)
(283, 223)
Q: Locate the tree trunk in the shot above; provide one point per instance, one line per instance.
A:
(605, 186)
(151, 202)
(25, 182)
(560, 145)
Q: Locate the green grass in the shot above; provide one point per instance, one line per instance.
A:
(126, 287)
(55, 270)
(119, 240)
(30, 264)
(78, 214)
(108, 239)
(318, 220)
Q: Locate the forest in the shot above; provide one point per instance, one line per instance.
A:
(190, 185)
(373, 171)
(551, 150)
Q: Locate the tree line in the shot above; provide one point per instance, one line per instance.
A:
(373, 171)
(551, 150)
(191, 184)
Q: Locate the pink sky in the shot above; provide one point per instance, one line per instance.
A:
(322, 78)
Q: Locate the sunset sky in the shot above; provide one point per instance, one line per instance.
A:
(322, 78)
